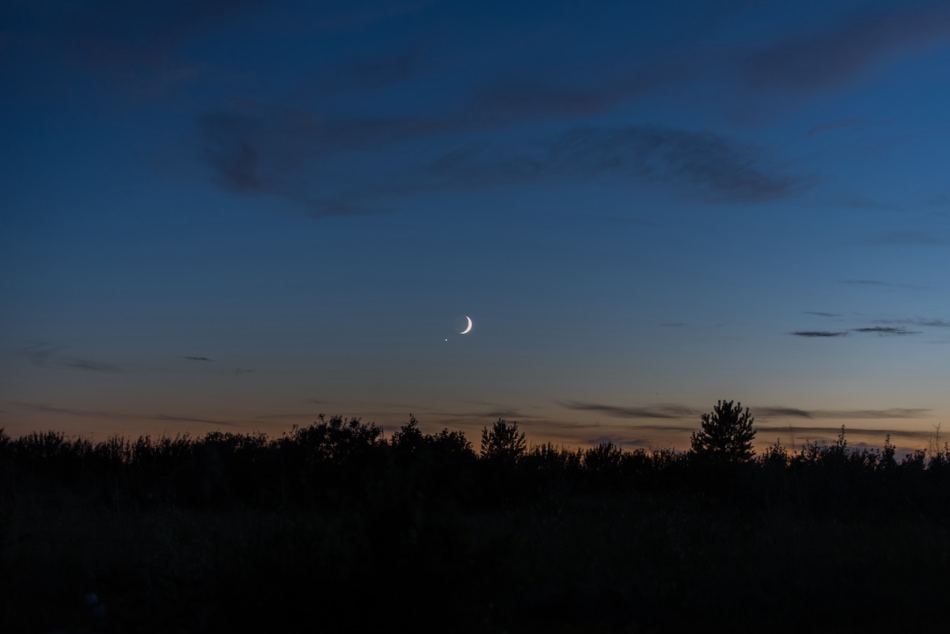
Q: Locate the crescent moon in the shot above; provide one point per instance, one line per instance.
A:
(469, 327)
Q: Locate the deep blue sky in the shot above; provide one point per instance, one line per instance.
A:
(236, 215)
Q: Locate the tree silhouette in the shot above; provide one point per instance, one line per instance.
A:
(409, 437)
(726, 434)
(503, 441)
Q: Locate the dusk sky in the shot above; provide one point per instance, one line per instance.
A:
(235, 215)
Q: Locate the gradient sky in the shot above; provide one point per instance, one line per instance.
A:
(235, 215)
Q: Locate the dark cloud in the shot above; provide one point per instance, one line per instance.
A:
(299, 152)
(825, 59)
(527, 98)
(821, 314)
(782, 411)
(880, 283)
(704, 163)
(886, 330)
(672, 412)
(257, 148)
(818, 333)
(292, 153)
(242, 371)
(198, 358)
(895, 412)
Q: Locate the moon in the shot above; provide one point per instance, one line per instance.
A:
(467, 328)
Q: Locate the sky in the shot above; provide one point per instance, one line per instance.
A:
(235, 215)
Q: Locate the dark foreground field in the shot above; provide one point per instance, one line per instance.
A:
(334, 528)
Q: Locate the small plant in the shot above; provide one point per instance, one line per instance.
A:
(776, 455)
(887, 459)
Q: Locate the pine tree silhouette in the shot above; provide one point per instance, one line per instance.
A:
(726, 434)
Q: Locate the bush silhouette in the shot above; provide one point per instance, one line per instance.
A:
(726, 434)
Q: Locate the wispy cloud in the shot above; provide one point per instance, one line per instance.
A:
(283, 149)
(272, 152)
(821, 314)
(927, 323)
(881, 283)
(866, 283)
(710, 165)
(286, 416)
(81, 413)
(189, 419)
(673, 412)
(886, 330)
(198, 358)
(769, 430)
(819, 333)
(492, 414)
(525, 98)
(894, 412)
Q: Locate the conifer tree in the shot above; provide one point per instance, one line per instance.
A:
(726, 434)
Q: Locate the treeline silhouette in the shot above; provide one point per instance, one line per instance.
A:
(339, 527)
(336, 463)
